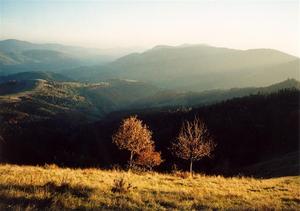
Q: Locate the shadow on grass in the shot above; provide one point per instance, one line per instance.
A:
(52, 197)
(12, 202)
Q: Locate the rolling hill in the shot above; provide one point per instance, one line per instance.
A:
(21, 56)
(14, 87)
(36, 99)
(31, 92)
(202, 67)
(182, 60)
(12, 45)
(47, 95)
(34, 75)
(172, 98)
(118, 94)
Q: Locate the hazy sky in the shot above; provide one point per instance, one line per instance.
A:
(239, 24)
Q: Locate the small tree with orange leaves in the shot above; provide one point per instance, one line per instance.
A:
(193, 142)
(135, 137)
(149, 158)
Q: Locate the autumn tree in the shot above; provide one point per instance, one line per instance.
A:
(193, 142)
(135, 137)
(148, 158)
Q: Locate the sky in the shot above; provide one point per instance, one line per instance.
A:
(240, 24)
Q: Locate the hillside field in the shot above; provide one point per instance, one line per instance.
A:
(54, 188)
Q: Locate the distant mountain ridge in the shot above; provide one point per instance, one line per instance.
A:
(93, 54)
(13, 45)
(184, 68)
(200, 67)
(16, 52)
(187, 99)
(188, 65)
(21, 56)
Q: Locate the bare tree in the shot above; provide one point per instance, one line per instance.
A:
(193, 142)
(133, 136)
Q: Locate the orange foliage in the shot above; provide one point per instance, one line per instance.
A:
(135, 137)
(149, 158)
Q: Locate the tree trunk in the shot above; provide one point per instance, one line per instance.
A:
(130, 161)
(191, 167)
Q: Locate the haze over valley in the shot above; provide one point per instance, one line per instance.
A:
(186, 67)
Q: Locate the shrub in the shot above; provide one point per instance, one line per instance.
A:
(149, 158)
(121, 186)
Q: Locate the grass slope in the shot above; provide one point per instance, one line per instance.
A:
(35, 188)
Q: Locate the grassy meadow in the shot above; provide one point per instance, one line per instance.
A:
(50, 187)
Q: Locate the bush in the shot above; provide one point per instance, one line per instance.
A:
(121, 186)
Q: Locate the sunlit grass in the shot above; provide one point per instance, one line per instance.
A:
(27, 187)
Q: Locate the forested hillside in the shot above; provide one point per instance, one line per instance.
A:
(247, 131)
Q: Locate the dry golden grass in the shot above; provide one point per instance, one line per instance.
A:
(49, 187)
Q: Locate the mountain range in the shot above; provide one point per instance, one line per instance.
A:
(202, 67)
(183, 68)
(19, 56)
